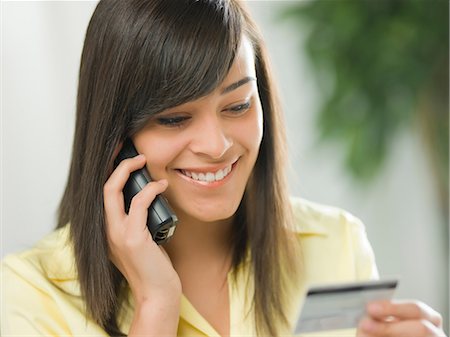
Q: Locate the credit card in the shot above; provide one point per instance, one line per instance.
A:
(340, 306)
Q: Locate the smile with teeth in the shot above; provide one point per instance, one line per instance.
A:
(208, 177)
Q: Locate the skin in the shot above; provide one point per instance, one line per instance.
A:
(400, 319)
(220, 130)
(211, 136)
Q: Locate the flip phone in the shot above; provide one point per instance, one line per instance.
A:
(161, 220)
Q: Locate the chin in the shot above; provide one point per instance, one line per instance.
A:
(212, 212)
(215, 214)
(213, 217)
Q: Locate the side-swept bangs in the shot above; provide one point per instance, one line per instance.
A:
(180, 51)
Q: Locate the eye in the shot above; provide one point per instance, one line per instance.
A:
(172, 121)
(240, 108)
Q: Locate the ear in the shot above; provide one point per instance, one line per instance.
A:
(117, 150)
(114, 156)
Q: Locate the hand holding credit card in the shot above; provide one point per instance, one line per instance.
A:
(340, 306)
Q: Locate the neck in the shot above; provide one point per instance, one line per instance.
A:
(195, 242)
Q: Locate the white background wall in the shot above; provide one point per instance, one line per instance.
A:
(41, 48)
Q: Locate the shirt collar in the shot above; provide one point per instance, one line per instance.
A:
(59, 260)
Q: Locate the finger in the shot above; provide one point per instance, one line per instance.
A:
(112, 190)
(164, 252)
(404, 310)
(137, 216)
(405, 328)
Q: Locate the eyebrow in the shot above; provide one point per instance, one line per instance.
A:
(237, 84)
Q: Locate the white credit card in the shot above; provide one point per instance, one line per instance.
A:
(340, 306)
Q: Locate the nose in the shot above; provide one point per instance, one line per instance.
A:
(210, 138)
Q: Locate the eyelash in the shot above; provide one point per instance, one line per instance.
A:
(172, 121)
(178, 121)
(240, 107)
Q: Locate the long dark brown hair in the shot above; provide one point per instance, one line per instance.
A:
(141, 57)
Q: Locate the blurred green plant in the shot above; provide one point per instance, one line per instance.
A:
(381, 65)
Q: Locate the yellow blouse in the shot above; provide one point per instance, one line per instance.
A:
(41, 294)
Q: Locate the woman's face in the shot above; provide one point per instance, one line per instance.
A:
(207, 148)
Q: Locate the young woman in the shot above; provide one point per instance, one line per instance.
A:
(188, 82)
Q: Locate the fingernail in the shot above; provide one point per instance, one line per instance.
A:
(375, 308)
(163, 182)
(367, 325)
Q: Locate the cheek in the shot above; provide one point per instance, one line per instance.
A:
(259, 123)
(159, 150)
(250, 132)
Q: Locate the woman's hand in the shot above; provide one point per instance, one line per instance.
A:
(400, 319)
(143, 263)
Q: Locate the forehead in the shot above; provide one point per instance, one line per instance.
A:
(243, 65)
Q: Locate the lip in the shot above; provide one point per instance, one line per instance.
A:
(207, 169)
(205, 184)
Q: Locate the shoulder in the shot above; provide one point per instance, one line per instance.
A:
(334, 243)
(315, 218)
(41, 294)
(41, 274)
(52, 258)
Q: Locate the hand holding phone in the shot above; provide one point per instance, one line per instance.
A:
(161, 220)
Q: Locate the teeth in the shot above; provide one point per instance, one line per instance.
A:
(219, 175)
(208, 176)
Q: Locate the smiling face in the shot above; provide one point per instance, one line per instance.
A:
(207, 148)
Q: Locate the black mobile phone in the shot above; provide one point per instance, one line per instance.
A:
(161, 220)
